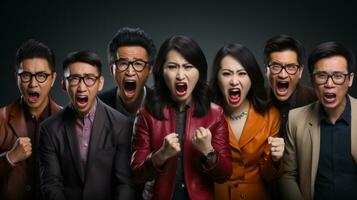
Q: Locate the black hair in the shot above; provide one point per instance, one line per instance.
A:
(329, 49)
(281, 43)
(34, 49)
(85, 57)
(192, 52)
(257, 94)
(127, 36)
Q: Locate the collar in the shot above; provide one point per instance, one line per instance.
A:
(345, 116)
(28, 116)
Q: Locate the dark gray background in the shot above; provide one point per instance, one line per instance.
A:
(89, 25)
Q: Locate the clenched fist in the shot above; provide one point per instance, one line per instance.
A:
(169, 148)
(21, 150)
(202, 140)
(277, 146)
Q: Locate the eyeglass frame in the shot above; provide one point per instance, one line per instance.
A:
(130, 63)
(284, 67)
(20, 74)
(82, 78)
(330, 76)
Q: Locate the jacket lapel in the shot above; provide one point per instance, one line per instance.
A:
(353, 128)
(71, 134)
(17, 120)
(314, 131)
(250, 130)
(97, 130)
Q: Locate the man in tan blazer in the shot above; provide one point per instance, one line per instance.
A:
(321, 149)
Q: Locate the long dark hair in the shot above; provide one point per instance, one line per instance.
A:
(257, 94)
(160, 97)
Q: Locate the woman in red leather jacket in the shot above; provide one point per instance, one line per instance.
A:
(180, 138)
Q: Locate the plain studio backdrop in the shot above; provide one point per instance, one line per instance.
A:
(67, 26)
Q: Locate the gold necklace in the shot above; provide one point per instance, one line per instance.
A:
(238, 116)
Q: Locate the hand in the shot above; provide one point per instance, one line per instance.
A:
(277, 148)
(21, 150)
(169, 148)
(202, 140)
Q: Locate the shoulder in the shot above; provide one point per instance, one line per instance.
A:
(304, 110)
(55, 120)
(12, 108)
(111, 113)
(216, 109)
(108, 96)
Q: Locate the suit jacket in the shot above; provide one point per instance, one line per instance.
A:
(14, 181)
(149, 136)
(107, 172)
(303, 148)
(252, 163)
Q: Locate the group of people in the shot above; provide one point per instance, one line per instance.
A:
(186, 137)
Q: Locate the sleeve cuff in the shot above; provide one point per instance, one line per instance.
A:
(8, 159)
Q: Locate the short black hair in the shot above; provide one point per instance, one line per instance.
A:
(281, 43)
(127, 36)
(257, 94)
(329, 49)
(34, 49)
(85, 57)
(192, 52)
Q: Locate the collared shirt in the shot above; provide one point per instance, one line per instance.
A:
(119, 105)
(337, 172)
(83, 130)
(180, 118)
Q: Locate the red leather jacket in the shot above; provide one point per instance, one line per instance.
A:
(148, 137)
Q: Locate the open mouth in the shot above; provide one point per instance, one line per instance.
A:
(234, 95)
(282, 88)
(181, 89)
(129, 88)
(33, 97)
(82, 100)
(329, 97)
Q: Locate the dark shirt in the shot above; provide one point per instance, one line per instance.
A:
(180, 188)
(337, 172)
(33, 185)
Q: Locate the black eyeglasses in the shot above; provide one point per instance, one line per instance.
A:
(40, 77)
(276, 68)
(123, 64)
(321, 78)
(89, 80)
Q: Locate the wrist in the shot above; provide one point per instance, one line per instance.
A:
(10, 158)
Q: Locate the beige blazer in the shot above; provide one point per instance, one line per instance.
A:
(302, 150)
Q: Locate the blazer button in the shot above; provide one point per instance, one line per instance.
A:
(28, 188)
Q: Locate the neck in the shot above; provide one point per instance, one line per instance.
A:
(38, 110)
(133, 107)
(241, 108)
(334, 113)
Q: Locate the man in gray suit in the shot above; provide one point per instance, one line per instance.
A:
(85, 148)
(321, 147)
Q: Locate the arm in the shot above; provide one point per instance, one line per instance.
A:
(124, 188)
(5, 166)
(141, 161)
(51, 180)
(270, 169)
(222, 169)
(288, 183)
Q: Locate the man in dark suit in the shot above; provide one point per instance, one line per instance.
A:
(131, 55)
(85, 148)
(284, 61)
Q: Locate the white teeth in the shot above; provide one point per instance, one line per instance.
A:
(130, 81)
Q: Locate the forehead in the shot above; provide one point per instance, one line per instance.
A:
(284, 57)
(230, 63)
(174, 56)
(82, 68)
(133, 52)
(334, 63)
(35, 65)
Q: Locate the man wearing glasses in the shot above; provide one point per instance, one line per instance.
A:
(284, 61)
(85, 148)
(131, 56)
(19, 121)
(321, 147)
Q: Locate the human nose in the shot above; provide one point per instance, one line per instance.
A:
(33, 81)
(235, 80)
(329, 81)
(283, 73)
(180, 74)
